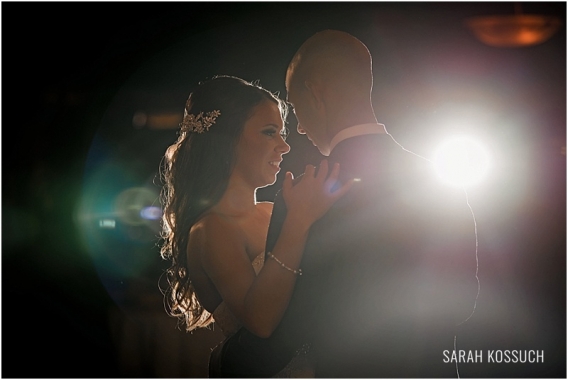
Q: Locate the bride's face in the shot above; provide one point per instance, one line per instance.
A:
(261, 146)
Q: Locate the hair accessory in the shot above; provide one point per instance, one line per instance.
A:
(298, 272)
(199, 123)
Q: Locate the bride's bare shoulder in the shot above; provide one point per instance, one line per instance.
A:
(213, 224)
(214, 238)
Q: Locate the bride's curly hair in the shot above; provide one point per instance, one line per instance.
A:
(195, 172)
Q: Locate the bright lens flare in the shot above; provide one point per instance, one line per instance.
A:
(461, 162)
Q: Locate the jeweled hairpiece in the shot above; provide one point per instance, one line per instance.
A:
(199, 123)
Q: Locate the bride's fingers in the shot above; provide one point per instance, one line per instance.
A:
(309, 171)
(287, 184)
(322, 171)
(331, 181)
(334, 173)
(342, 190)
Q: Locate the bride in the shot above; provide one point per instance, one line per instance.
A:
(231, 142)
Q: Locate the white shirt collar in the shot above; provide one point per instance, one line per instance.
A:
(356, 130)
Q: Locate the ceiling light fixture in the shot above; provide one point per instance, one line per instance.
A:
(516, 30)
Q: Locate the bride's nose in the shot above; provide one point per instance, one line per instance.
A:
(283, 147)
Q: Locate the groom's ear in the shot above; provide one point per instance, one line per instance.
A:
(315, 92)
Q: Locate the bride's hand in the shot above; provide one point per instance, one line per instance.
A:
(311, 197)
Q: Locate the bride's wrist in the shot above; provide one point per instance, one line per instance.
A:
(299, 222)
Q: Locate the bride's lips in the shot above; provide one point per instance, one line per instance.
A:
(275, 164)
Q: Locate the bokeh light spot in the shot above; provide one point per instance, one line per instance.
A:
(107, 223)
(151, 213)
(130, 205)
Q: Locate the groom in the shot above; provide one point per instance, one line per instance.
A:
(389, 273)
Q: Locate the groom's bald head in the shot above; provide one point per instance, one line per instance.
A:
(334, 57)
(329, 82)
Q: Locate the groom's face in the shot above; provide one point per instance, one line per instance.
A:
(309, 123)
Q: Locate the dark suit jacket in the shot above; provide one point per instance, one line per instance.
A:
(388, 274)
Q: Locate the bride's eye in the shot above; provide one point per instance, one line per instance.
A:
(270, 132)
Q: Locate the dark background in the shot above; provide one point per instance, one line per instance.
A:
(82, 300)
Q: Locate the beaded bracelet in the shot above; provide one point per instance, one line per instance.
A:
(298, 272)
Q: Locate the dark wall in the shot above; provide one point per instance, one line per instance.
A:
(75, 74)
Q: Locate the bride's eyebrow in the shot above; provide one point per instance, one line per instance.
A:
(276, 128)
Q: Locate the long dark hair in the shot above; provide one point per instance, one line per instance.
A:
(195, 172)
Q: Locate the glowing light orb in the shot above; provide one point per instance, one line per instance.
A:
(151, 213)
(134, 206)
(461, 162)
